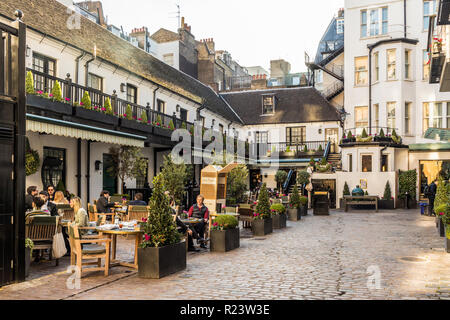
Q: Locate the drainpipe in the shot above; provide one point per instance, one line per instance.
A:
(77, 65)
(370, 90)
(86, 68)
(88, 170)
(79, 168)
(154, 98)
(404, 12)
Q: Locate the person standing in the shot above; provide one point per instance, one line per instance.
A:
(31, 193)
(200, 211)
(432, 188)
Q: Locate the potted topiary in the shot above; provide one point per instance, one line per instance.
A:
(288, 153)
(85, 110)
(381, 137)
(387, 202)
(224, 234)
(303, 206)
(262, 218)
(407, 181)
(29, 245)
(349, 138)
(294, 210)
(441, 212)
(345, 192)
(364, 137)
(161, 253)
(280, 178)
(278, 216)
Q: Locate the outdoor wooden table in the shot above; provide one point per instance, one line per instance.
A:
(191, 221)
(112, 234)
(361, 200)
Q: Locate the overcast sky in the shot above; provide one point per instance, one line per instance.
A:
(253, 31)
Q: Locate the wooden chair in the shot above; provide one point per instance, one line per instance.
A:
(103, 217)
(88, 249)
(230, 210)
(41, 229)
(92, 211)
(245, 214)
(137, 213)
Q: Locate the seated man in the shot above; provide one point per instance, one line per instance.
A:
(200, 211)
(357, 191)
(192, 234)
(137, 201)
(103, 204)
(48, 206)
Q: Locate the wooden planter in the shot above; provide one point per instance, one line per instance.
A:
(136, 125)
(386, 204)
(279, 221)
(262, 227)
(225, 240)
(98, 116)
(294, 214)
(49, 105)
(155, 263)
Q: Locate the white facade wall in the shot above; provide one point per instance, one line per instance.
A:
(415, 90)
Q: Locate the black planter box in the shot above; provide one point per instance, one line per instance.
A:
(294, 214)
(155, 263)
(224, 241)
(279, 221)
(386, 204)
(162, 131)
(447, 245)
(135, 125)
(412, 204)
(261, 227)
(27, 261)
(441, 228)
(348, 140)
(98, 116)
(49, 105)
(304, 211)
(382, 139)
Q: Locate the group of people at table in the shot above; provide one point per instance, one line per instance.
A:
(45, 202)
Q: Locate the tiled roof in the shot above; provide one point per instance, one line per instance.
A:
(50, 17)
(164, 35)
(293, 105)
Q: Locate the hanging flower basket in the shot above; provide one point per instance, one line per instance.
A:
(32, 162)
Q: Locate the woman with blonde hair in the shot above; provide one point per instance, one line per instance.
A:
(59, 198)
(81, 217)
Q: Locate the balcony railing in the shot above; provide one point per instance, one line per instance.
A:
(293, 149)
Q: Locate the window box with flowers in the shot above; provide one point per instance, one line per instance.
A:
(104, 114)
(161, 252)
(161, 129)
(262, 217)
(349, 138)
(278, 216)
(140, 123)
(224, 234)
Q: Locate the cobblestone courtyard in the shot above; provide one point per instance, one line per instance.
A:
(315, 258)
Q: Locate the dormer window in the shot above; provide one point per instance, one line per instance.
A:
(268, 106)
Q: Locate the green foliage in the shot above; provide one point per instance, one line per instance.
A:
(263, 206)
(173, 177)
(303, 201)
(60, 187)
(183, 125)
(129, 112)
(158, 120)
(29, 83)
(277, 208)
(237, 184)
(305, 149)
(396, 138)
(128, 162)
(30, 245)
(144, 118)
(349, 134)
(303, 177)
(57, 92)
(366, 193)
(382, 133)
(294, 200)
(364, 133)
(32, 160)
(171, 125)
(160, 228)
(86, 101)
(312, 161)
(343, 135)
(108, 107)
(387, 192)
(407, 181)
(442, 195)
(346, 191)
(225, 222)
(320, 149)
(280, 177)
(323, 162)
(288, 149)
(394, 134)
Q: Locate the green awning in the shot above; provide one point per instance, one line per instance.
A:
(437, 134)
(429, 146)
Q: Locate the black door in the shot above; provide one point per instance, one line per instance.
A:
(326, 185)
(109, 180)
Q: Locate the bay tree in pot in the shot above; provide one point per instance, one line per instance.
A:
(303, 206)
(280, 178)
(278, 216)
(225, 234)
(161, 253)
(262, 217)
(294, 211)
(387, 202)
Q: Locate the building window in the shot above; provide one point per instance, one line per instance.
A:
(221, 128)
(350, 163)
(131, 93)
(340, 26)
(361, 117)
(407, 117)
(408, 64)
(432, 115)
(141, 180)
(319, 76)
(384, 20)
(95, 82)
(295, 135)
(168, 59)
(448, 116)
(384, 163)
(426, 65)
(429, 9)
(363, 23)
(361, 71)
(391, 64)
(390, 111)
(366, 161)
(374, 23)
(376, 58)
(202, 121)
(160, 106)
(268, 104)
(376, 108)
(44, 65)
(183, 114)
(262, 137)
(53, 167)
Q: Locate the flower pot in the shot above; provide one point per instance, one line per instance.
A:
(136, 125)
(98, 116)
(155, 263)
(279, 221)
(441, 229)
(49, 105)
(27, 261)
(261, 227)
(224, 240)
(386, 204)
(294, 214)
(304, 211)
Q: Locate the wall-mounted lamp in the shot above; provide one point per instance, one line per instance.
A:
(98, 165)
(320, 131)
(178, 108)
(28, 51)
(123, 87)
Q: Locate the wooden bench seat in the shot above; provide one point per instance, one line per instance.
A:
(360, 200)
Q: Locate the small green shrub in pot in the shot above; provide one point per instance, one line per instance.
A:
(277, 208)
(346, 191)
(225, 222)
(294, 201)
(303, 201)
(86, 101)
(262, 210)
(387, 191)
(29, 244)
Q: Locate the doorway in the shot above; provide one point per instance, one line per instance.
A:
(332, 135)
(326, 185)
(109, 180)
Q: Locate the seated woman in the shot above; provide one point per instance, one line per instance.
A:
(81, 216)
(59, 198)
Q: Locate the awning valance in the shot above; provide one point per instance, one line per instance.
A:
(78, 131)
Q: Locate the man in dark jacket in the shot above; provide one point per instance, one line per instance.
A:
(50, 206)
(103, 204)
(31, 193)
(138, 200)
(432, 188)
(200, 211)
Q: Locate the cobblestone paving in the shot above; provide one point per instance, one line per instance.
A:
(319, 257)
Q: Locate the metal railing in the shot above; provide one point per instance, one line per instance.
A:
(296, 147)
(375, 130)
(332, 90)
